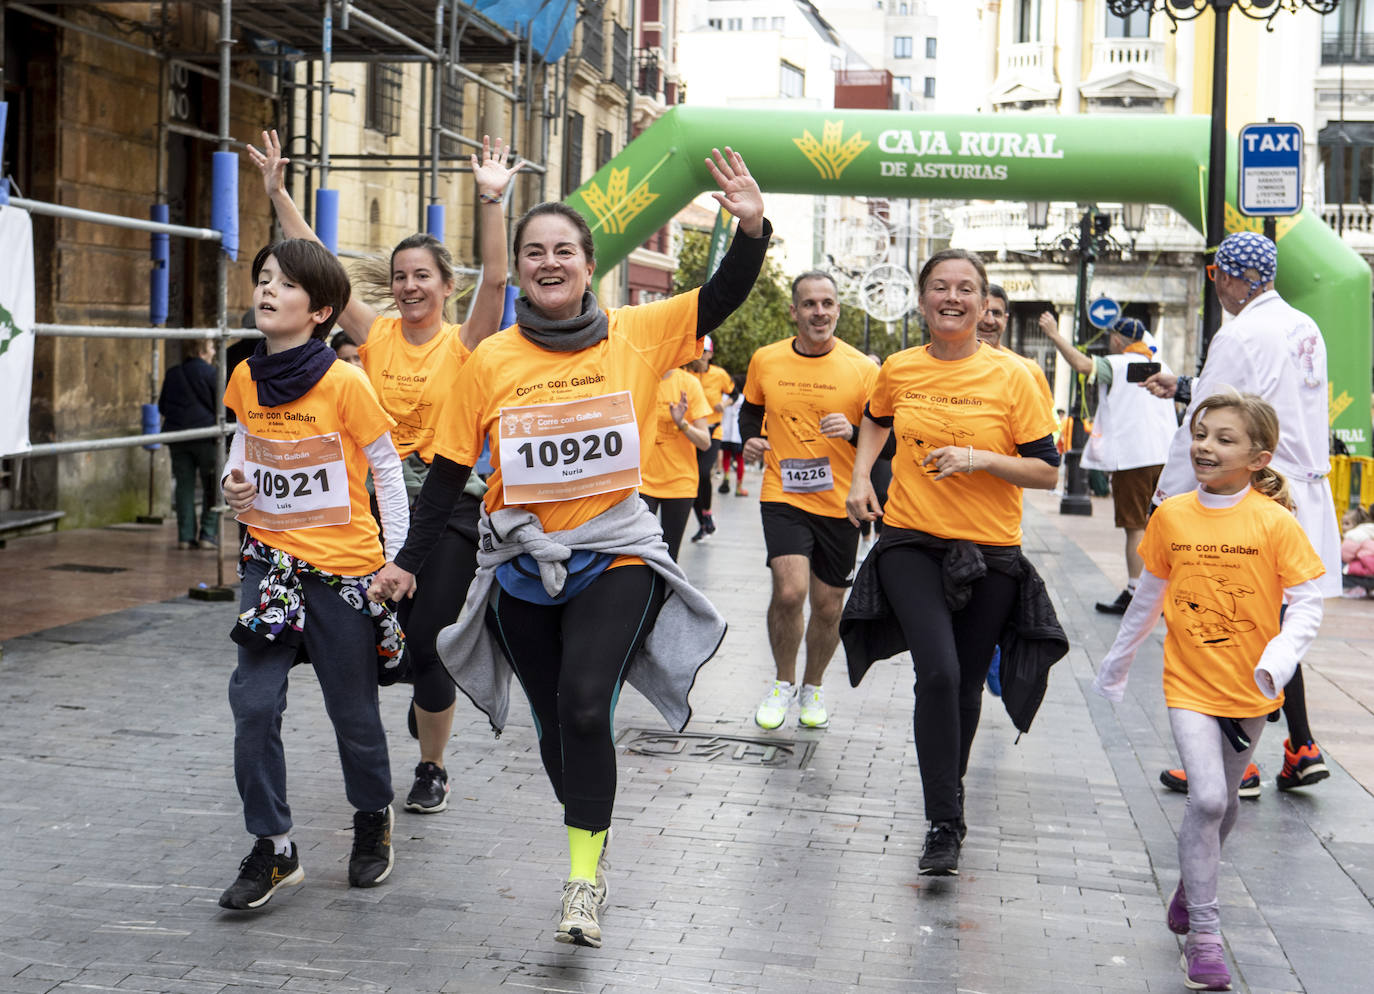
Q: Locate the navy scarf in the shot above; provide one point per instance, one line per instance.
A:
(286, 376)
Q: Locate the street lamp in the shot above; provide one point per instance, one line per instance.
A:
(1187, 10)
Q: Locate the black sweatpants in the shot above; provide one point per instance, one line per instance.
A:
(440, 590)
(706, 461)
(673, 513)
(571, 660)
(951, 653)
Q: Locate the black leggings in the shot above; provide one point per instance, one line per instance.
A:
(951, 654)
(571, 660)
(440, 590)
(706, 461)
(673, 513)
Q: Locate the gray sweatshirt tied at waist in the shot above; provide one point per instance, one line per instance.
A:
(686, 635)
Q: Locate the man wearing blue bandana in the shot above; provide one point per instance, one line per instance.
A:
(1271, 349)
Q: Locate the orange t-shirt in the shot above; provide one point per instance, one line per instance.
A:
(571, 420)
(715, 384)
(301, 483)
(988, 401)
(804, 468)
(1038, 375)
(410, 380)
(1227, 569)
(670, 463)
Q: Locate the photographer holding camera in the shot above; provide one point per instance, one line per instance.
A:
(1131, 431)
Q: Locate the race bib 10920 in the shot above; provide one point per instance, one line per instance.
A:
(580, 448)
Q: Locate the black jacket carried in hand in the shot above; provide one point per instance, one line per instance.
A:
(188, 396)
(1031, 641)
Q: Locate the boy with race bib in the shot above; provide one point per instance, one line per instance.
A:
(309, 428)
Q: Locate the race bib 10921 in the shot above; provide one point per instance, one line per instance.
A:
(302, 483)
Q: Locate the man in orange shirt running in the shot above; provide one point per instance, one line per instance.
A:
(813, 388)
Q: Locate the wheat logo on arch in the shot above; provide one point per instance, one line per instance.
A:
(614, 207)
(833, 153)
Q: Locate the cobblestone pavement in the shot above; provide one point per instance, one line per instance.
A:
(743, 861)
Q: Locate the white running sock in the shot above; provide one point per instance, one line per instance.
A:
(281, 844)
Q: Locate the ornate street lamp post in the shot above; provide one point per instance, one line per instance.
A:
(1187, 10)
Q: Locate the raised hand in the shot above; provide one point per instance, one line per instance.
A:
(679, 410)
(739, 194)
(270, 163)
(489, 171)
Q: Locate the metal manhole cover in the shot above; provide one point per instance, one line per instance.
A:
(704, 747)
(88, 568)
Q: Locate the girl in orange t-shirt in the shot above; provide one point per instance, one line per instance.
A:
(1232, 571)
(411, 361)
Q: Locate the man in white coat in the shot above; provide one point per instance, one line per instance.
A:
(1130, 436)
(1276, 351)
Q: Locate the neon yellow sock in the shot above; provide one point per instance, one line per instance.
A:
(584, 849)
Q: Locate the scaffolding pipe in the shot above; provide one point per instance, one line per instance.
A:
(459, 138)
(387, 31)
(238, 84)
(200, 133)
(66, 25)
(114, 220)
(124, 442)
(226, 42)
(436, 127)
(113, 331)
(326, 86)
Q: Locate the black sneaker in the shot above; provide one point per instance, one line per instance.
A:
(707, 529)
(372, 857)
(260, 874)
(429, 795)
(1117, 606)
(941, 855)
(724, 487)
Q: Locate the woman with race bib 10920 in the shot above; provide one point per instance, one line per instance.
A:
(573, 586)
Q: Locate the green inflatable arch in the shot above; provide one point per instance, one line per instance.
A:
(1083, 158)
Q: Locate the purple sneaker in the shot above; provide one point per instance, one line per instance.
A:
(1178, 912)
(1204, 964)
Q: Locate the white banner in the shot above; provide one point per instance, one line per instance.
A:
(16, 328)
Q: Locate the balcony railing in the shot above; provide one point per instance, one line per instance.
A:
(1003, 225)
(1347, 47)
(1028, 58)
(1347, 218)
(649, 75)
(1114, 55)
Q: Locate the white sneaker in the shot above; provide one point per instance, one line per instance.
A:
(813, 713)
(579, 925)
(772, 712)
